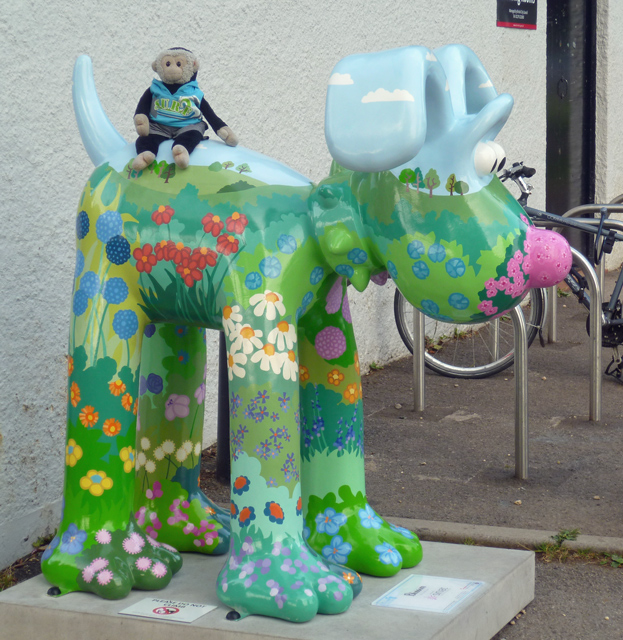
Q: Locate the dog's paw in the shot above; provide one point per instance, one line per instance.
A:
(284, 579)
(351, 533)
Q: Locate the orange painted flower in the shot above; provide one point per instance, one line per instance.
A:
(212, 224)
(116, 387)
(126, 402)
(335, 377)
(227, 244)
(162, 215)
(111, 427)
(145, 259)
(357, 363)
(135, 407)
(74, 394)
(236, 222)
(351, 394)
(204, 257)
(348, 577)
(70, 365)
(88, 416)
(303, 373)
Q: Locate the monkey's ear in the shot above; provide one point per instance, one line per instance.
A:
(195, 65)
(153, 65)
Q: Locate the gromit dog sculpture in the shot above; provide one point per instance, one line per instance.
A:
(239, 243)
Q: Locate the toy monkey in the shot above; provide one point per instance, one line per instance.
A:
(174, 108)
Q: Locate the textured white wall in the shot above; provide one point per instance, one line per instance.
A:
(265, 69)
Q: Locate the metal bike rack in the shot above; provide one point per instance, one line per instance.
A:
(521, 382)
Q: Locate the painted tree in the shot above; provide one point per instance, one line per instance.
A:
(168, 172)
(431, 180)
(419, 179)
(451, 184)
(243, 168)
(227, 164)
(461, 187)
(406, 176)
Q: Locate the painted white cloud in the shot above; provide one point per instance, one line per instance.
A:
(430, 56)
(485, 85)
(383, 95)
(341, 78)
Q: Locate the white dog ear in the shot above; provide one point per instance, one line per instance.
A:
(381, 107)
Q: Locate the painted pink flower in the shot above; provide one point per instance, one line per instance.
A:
(103, 536)
(169, 547)
(159, 570)
(155, 491)
(143, 563)
(140, 515)
(200, 393)
(104, 577)
(88, 574)
(138, 538)
(98, 564)
(334, 297)
(486, 306)
(152, 539)
(177, 407)
(132, 546)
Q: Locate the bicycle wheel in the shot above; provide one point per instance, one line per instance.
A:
(468, 350)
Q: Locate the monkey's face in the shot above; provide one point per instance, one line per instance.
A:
(173, 68)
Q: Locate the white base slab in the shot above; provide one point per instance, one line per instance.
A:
(26, 611)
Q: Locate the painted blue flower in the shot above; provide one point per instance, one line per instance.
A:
(391, 267)
(345, 270)
(79, 263)
(369, 519)
(81, 302)
(330, 521)
(316, 275)
(181, 330)
(125, 323)
(154, 383)
(115, 290)
(73, 540)
(458, 301)
(421, 270)
(270, 267)
(455, 267)
(82, 225)
(109, 224)
(307, 298)
(48, 552)
(142, 385)
(306, 532)
(253, 281)
(150, 329)
(436, 253)
(118, 250)
(357, 255)
(402, 531)
(182, 356)
(416, 249)
(286, 244)
(430, 307)
(388, 555)
(90, 283)
(337, 550)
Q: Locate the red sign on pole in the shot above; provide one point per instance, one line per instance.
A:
(517, 14)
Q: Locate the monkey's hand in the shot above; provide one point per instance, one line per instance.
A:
(227, 136)
(141, 122)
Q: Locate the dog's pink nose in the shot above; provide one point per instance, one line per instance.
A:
(549, 257)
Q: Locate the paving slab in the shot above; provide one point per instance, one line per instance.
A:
(27, 611)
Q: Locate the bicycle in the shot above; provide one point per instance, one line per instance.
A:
(483, 350)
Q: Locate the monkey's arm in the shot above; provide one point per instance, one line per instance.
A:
(222, 130)
(141, 115)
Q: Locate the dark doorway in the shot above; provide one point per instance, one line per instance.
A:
(571, 63)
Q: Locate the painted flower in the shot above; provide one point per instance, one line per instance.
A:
(357, 256)
(268, 358)
(458, 301)
(154, 383)
(177, 406)
(88, 416)
(316, 275)
(163, 249)
(337, 550)
(162, 215)
(118, 250)
(204, 257)
(115, 290)
(82, 225)
(116, 387)
(96, 482)
(80, 303)
(369, 519)
(416, 249)
(200, 393)
(145, 258)
(103, 536)
(401, 530)
(127, 457)
(126, 401)
(253, 281)
(133, 544)
(270, 267)
(436, 253)
(430, 307)
(159, 569)
(189, 270)
(72, 540)
(240, 485)
(125, 323)
(274, 512)
(183, 357)
(227, 244)
(231, 315)
(73, 453)
(178, 251)
(74, 394)
(330, 343)
(79, 263)
(357, 366)
(455, 267)
(388, 555)
(351, 394)
(70, 365)
(111, 427)
(246, 516)
(180, 455)
(168, 446)
(334, 377)
(212, 224)
(330, 521)
(236, 222)
(286, 243)
(109, 224)
(235, 364)
(269, 303)
(290, 365)
(143, 563)
(247, 338)
(283, 335)
(150, 466)
(420, 270)
(303, 374)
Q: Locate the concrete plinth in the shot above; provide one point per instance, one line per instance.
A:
(26, 611)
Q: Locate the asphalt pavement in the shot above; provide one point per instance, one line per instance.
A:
(450, 471)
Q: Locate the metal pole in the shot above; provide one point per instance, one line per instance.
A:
(223, 465)
(595, 323)
(494, 340)
(552, 314)
(419, 345)
(521, 394)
